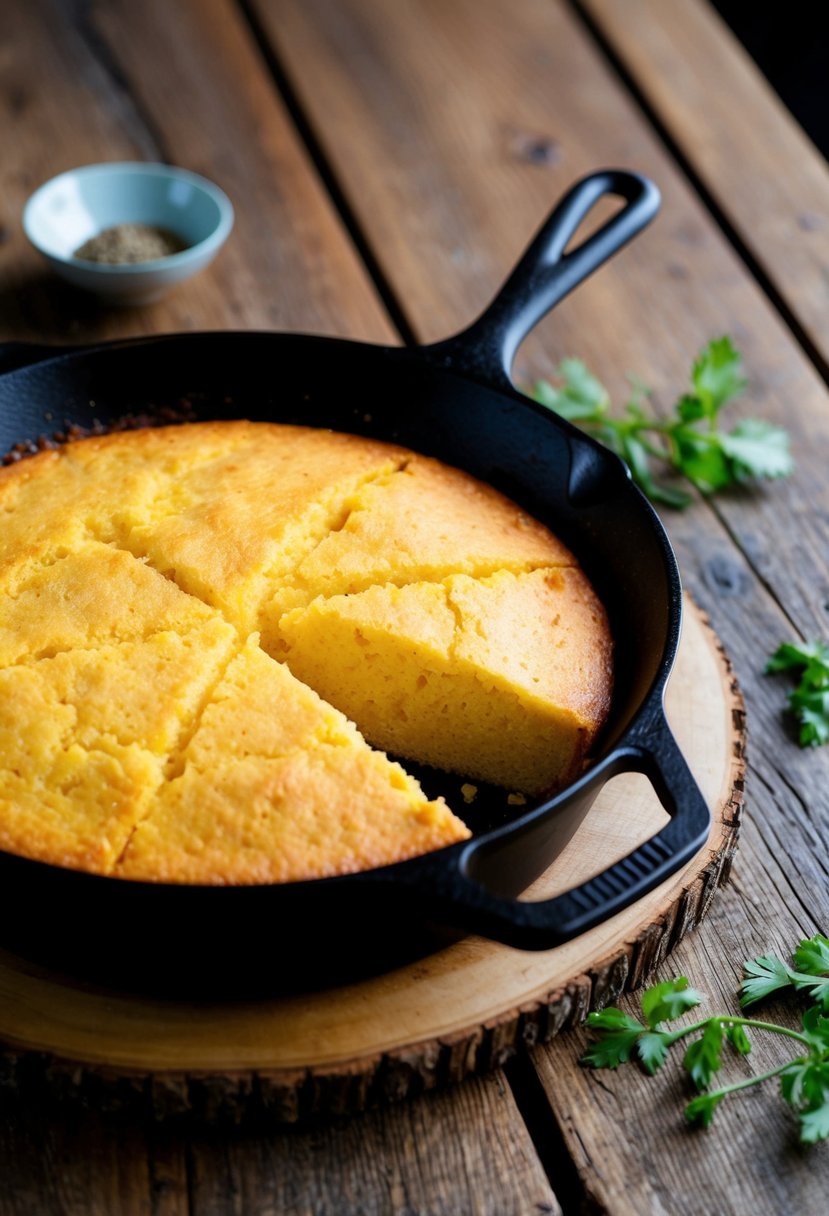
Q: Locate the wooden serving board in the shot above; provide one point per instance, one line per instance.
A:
(462, 1010)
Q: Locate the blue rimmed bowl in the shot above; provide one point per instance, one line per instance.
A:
(74, 206)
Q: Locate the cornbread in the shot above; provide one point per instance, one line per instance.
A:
(501, 678)
(193, 619)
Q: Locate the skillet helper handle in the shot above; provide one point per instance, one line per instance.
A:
(546, 273)
(548, 923)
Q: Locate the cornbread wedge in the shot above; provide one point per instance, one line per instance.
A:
(276, 786)
(505, 678)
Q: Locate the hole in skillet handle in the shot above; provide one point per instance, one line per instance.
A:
(472, 896)
(546, 273)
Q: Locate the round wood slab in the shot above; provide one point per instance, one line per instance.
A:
(462, 1010)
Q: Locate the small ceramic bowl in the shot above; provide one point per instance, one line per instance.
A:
(69, 209)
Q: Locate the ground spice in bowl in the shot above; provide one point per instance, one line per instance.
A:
(130, 243)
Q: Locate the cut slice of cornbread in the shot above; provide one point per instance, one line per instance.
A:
(259, 709)
(227, 525)
(87, 598)
(506, 678)
(419, 524)
(149, 692)
(59, 801)
(60, 499)
(311, 814)
(277, 786)
(85, 736)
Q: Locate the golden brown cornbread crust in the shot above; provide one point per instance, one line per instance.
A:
(145, 731)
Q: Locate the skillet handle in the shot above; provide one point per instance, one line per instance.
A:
(548, 923)
(546, 273)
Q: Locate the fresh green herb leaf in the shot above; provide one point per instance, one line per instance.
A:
(756, 448)
(810, 974)
(581, 395)
(810, 700)
(701, 1109)
(803, 1083)
(666, 1001)
(690, 441)
(614, 1047)
(700, 457)
(704, 1056)
(812, 955)
(811, 656)
(814, 1124)
(717, 375)
(816, 1028)
(764, 975)
(652, 1050)
(811, 708)
(738, 1037)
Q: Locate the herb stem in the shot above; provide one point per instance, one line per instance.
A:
(736, 1021)
(747, 1082)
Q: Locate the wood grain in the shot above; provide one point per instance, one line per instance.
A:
(465, 1009)
(751, 155)
(183, 83)
(459, 125)
(437, 1156)
(88, 1164)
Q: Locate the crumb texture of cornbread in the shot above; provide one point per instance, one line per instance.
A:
(504, 678)
(193, 619)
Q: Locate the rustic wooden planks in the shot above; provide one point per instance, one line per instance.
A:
(479, 116)
(756, 162)
(451, 128)
(183, 83)
(424, 1157)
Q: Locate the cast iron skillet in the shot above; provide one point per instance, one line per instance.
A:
(453, 400)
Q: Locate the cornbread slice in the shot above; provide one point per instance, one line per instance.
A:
(227, 525)
(421, 523)
(506, 678)
(59, 499)
(277, 786)
(311, 814)
(87, 598)
(85, 736)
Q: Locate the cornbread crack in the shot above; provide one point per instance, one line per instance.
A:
(421, 523)
(226, 529)
(317, 799)
(87, 598)
(505, 679)
(85, 736)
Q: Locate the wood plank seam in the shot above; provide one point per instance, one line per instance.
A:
(329, 180)
(752, 264)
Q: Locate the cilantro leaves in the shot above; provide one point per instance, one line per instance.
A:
(691, 442)
(810, 700)
(770, 974)
(804, 1081)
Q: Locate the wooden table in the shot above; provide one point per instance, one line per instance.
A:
(388, 161)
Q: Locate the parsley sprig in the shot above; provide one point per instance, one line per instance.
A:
(691, 442)
(810, 700)
(804, 1080)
